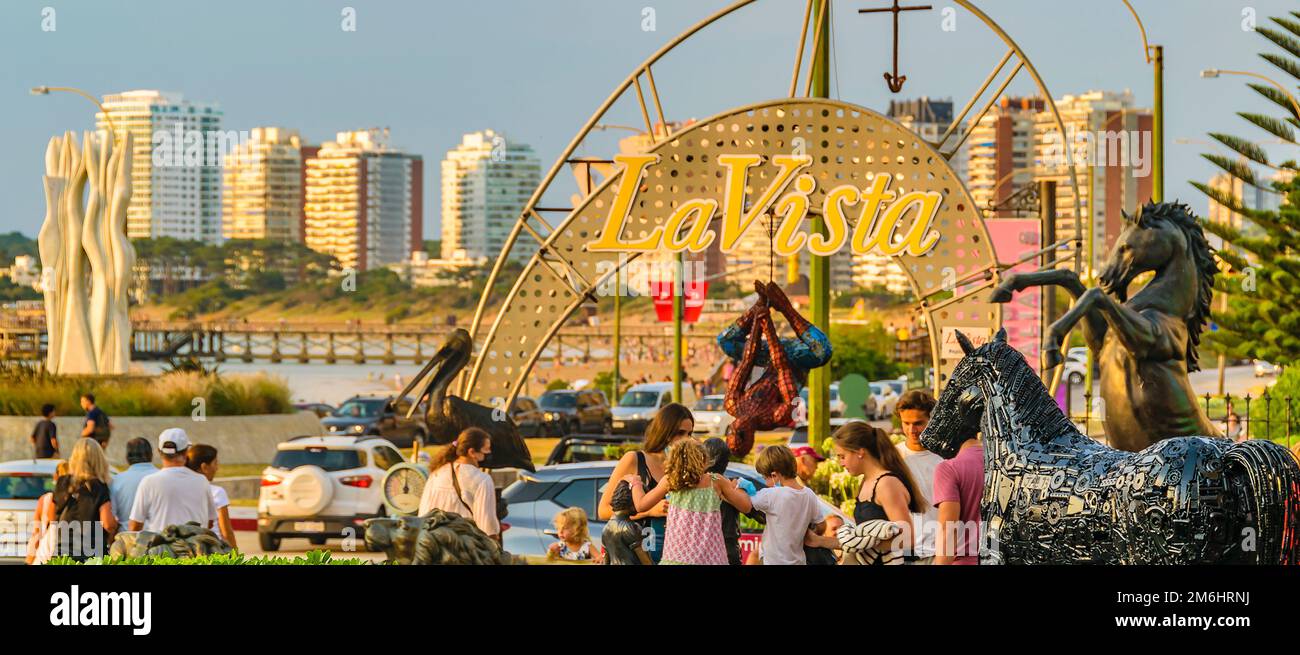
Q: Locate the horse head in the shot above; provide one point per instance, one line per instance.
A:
(960, 410)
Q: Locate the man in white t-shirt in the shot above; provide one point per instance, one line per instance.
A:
(913, 410)
(174, 495)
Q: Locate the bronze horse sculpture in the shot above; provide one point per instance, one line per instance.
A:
(447, 415)
(1055, 496)
(1146, 344)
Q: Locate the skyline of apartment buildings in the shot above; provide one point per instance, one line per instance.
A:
(172, 194)
(363, 200)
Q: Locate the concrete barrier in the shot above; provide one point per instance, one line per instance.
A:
(243, 487)
(238, 439)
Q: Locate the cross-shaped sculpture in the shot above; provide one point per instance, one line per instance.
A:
(895, 80)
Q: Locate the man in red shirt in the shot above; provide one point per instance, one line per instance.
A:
(958, 489)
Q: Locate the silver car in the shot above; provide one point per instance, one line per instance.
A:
(537, 497)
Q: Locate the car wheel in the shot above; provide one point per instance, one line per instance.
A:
(269, 543)
(1076, 378)
(317, 541)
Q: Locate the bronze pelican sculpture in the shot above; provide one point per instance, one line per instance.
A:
(447, 415)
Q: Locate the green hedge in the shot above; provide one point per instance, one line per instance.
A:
(22, 392)
(312, 558)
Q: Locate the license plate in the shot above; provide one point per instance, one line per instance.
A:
(309, 526)
(618, 424)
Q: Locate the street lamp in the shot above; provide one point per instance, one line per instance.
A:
(1155, 55)
(1212, 73)
(45, 90)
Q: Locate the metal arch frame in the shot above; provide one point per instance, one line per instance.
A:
(531, 210)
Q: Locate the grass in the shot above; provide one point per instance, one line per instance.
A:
(174, 394)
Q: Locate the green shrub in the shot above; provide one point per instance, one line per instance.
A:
(312, 558)
(23, 391)
(557, 385)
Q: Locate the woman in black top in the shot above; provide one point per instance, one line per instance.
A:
(82, 504)
(672, 423)
(888, 491)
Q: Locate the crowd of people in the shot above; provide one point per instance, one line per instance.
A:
(90, 503)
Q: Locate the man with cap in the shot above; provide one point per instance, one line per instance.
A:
(175, 495)
(139, 458)
(806, 460)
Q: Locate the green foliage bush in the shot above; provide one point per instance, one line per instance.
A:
(24, 389)
(312, 558)
(557, 385)
(863, 349)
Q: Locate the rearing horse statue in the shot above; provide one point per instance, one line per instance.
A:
(1147, 343)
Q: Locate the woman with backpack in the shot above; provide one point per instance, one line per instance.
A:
(82, 504)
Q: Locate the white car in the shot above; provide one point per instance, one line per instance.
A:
(711, 420)
(834, 402)
(641, 402)
(1076, 366)
(22, 483)
(323, 487)
(1263, 368)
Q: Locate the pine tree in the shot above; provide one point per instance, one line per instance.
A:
(1261, 260)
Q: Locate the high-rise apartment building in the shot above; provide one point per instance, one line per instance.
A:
(1110, 140)
(1000, 155)
(262, 186)
(486, 181)
(176, 165)
(364, 200)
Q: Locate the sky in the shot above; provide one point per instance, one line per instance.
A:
(536, 70)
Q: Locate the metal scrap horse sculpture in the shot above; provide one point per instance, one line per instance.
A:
(1055, 496)
(1147, 343)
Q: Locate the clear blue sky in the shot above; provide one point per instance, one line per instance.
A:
(536, 69)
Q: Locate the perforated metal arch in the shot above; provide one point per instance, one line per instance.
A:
(848, 144)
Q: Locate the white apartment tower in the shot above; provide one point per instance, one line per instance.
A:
(262, 186)
(364, 201)
(176, 165)
(486, 181)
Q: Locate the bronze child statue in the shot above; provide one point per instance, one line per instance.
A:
(622, 536)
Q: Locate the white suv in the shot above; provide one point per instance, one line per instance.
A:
(322, 487)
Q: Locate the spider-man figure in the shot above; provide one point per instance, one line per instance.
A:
(769, 402)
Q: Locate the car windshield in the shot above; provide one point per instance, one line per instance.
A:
(640, 399)
(558, 400)
(24, 486)
(330, 460)
(709, 405)
(361, 408)
(877, 389)
(584, 452)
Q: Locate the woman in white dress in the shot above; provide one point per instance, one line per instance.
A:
(457, 484)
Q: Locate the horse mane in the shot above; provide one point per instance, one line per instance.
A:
(1035, 407)
(1181, 216)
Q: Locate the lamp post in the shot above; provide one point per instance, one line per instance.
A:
(819, 266)
(45, 90)
(1212, 73)
(1155, 55)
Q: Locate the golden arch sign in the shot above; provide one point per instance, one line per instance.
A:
(852, 161)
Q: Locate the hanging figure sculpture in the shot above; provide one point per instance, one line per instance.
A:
(1055, 496)
(769, 402)
(1146, 344)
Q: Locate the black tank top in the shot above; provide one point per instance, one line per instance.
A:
(869, 510)
(656, 525)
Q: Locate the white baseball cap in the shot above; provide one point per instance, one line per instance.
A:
(172, 441)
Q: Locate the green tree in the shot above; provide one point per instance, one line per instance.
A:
(1261, 258)
(863, 349)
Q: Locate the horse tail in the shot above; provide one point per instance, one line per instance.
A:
(1272, 476)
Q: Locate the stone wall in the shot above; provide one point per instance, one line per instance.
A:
(238, 439)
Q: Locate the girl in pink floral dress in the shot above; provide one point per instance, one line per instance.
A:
(694, 531)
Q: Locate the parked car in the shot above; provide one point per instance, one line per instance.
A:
(22, 483)
(585, 448)
(533, 421)
(885, 399)
(321, 410)
(323, 487)
(379, 416)
(578, 412)
(836, 405)
(799, 437)
(537, 497)
(1263, 368)
(711, 420)
(641, 402)
(1076, 366)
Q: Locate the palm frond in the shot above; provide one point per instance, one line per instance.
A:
(1290, 67)
(1283, 41)
(1248, 149)
(1234, 168)
(1288, 24)
(1277, 128)
(1277, 97)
